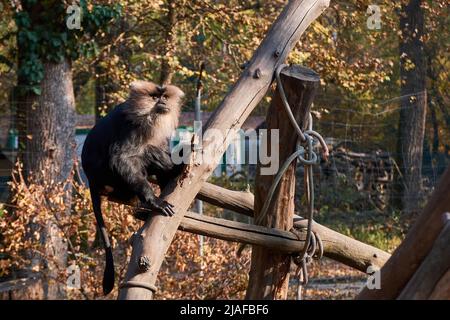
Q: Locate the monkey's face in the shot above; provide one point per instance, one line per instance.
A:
(155, 100)
(167, 99)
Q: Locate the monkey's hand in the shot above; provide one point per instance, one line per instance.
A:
(161, 206)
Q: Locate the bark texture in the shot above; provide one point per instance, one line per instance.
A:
(413, 105)
(269, 273)
(47, 126)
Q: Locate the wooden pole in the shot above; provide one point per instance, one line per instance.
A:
(351, 252)
(336, 246)
(269, 272)
(346, 250)
(418, 242)
(432, 268)
(237, 201)
(442, 289)
(157, 233)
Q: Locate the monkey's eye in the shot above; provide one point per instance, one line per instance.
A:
(164, 98)
(154, 96)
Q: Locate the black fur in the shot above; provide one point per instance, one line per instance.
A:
(119, 154)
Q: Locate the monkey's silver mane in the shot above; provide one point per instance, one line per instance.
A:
(155, 128)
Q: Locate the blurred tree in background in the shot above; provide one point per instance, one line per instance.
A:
(46, 44)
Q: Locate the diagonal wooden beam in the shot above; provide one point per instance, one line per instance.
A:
(157, 233)
(432, 269)
(405, 260)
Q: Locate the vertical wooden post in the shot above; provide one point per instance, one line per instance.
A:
(269, 274)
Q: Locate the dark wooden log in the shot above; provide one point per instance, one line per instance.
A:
(442, 289)
(274, 239)
(418, 242)
(344, 249)
(269, 272)
(157, 233)
(336, 246)
(432, 269)
(351, 252)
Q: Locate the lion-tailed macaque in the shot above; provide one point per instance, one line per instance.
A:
(125, 148)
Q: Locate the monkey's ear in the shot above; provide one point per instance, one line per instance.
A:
(174, 91)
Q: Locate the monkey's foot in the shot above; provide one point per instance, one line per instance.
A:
(159, 206)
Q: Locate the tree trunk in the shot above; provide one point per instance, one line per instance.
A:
(269, 273)
(436, 101)
(50, 143)
(48, 122)
(413, 105)
(169, 45)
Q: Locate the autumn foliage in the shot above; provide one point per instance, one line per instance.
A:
(185, 274)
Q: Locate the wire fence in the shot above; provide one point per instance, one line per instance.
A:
(348, 128)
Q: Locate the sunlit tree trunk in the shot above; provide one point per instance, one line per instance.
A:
(50, 140)
(47, 125)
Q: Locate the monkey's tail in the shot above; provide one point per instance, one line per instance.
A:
(108, 275)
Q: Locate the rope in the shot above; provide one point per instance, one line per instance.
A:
(285, 102)
(315, 250)
(305, 256)
(297, 154)
(306, 156)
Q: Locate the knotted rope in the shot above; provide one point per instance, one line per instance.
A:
(306, 156)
